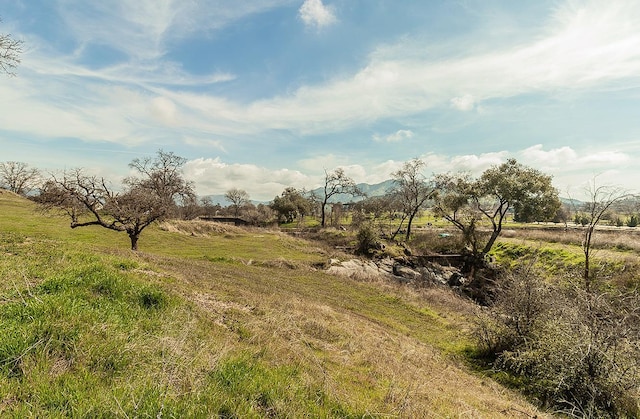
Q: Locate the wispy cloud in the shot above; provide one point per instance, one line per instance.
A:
(396, 137)
(582, 45)
(316, 14)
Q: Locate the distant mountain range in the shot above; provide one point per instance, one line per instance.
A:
(377, 189)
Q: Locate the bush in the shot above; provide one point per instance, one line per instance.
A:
(367, 239)
(574, 350)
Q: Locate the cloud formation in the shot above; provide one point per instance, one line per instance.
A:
(315, 14)
(396, 137)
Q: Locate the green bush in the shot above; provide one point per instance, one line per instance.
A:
(367, 239)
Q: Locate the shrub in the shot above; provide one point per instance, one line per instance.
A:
(577, 351)
(367, 239)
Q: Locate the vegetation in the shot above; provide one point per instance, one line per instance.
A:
(335, 183)
(10, 50)
(573, 349)
(90, 201)
(292, 205)
(219, 321)
(18, 177)
(601, 199)
(269, 334)
(411, 191)
(509, 186)
(238, 198)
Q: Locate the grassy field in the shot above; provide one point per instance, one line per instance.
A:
(206, 321)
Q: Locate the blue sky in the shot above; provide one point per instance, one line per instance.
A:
(265, 94)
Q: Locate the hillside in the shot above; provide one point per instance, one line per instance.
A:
(210, 321)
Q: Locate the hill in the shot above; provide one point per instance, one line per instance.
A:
(216, 321)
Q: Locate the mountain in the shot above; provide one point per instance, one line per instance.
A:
(377, 189)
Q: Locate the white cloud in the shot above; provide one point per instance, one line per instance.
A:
(164, 110)
(566, 157)
(215, 177)
(391, 85)
(315, 13)
(396, 137)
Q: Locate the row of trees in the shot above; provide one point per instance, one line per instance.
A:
(159, 190)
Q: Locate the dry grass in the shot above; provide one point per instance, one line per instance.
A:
(612, 238)
(352, 339)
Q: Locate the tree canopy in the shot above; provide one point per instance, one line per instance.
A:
(291, 204)
(464, 201)
(18, 177)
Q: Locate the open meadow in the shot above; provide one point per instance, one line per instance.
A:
(210, 321)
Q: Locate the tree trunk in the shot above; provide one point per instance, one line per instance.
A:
(134, 241)
(323, 214)
(409, 226)
(492, 240)
(586, 247)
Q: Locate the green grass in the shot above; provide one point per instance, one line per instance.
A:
(223, 324)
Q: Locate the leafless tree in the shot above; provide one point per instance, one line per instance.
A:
(412, 190)
(10, 50)
(89, 200)
(18, 177)
(600, 199)
(336, 183)
(238, 199)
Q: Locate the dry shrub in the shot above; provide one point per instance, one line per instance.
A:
(199, 228)
(574, 350)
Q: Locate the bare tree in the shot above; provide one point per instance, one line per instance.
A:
(10, 50)
(336, 183)
(18, 177)
(600, 199)
(412, 190)
(89, 200)
(238, 198)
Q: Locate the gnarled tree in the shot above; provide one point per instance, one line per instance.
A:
(466, 202)
(150, 197)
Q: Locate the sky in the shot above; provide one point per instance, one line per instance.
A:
(261, 95)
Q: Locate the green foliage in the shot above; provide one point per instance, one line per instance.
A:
(205, 325)
(464, 202)
(367, 239)
(292, 204)
(633, 220)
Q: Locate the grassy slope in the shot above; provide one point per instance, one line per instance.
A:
(236, 323)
